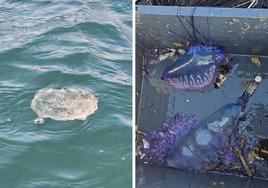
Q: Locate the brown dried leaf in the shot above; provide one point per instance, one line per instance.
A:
(256, 61)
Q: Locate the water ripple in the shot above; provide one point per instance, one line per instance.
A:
(58, 44)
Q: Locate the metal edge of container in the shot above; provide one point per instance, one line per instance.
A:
(202, 11)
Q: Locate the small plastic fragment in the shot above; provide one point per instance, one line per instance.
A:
(163, 57)
(142, 156)
(146, 144)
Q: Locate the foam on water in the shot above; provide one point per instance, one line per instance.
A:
(64, 104)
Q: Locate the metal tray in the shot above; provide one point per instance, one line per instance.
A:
(243, 33)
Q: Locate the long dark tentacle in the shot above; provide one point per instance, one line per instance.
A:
(184, 27)
(208, 31)
(192, 24)
(194, 29)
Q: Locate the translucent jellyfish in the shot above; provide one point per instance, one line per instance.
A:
(64, 104)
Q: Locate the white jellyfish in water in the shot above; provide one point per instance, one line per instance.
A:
(64, 104)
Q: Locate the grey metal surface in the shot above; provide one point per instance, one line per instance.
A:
(240, 31)
(156, 177)
(159, 101)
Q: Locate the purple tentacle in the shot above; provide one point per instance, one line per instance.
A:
(159, 143)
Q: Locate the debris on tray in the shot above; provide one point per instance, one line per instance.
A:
(168, 54)
(258, 78)
(216, 183)
(178, 44)
(243, 161)
(138, 141)
(251, 157)
(139, 132)
(256, 61)
(155, 56)
(261, 150)
(181, 51)
(250, 88)
(224, 70)
(252, 85)
(219, 81)
(151, 56)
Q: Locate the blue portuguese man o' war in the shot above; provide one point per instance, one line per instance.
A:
(203, 145)
(184, 142)
(196, 68)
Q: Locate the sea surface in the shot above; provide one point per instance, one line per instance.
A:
(56, 44)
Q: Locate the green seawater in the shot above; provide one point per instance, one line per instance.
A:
(70, 43)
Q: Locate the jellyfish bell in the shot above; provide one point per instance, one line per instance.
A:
(64, 104)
